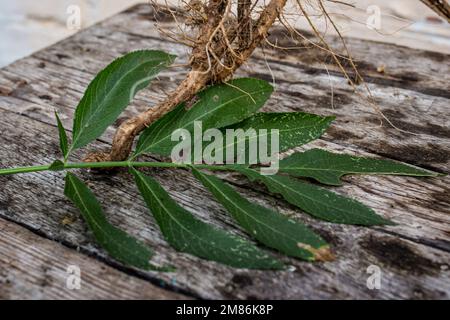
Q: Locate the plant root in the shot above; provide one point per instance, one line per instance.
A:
(213, 60)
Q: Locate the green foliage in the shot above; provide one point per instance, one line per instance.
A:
(188, 234)
(269, 227)
(57, 165)
(317, 201)
(328, 168)
(295, 128)
(116, 242)
(63, 144)
(112, 90)
(216, 107)
(231, 105)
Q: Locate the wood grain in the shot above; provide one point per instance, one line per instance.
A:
(414, 255)
(36, 268)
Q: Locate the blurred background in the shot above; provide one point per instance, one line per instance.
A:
(30, 25)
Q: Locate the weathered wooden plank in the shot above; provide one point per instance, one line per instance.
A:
(33, 267)
(424, 275)
(414, 255)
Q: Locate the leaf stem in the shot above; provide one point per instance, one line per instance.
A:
(114, 164)
(24, 169)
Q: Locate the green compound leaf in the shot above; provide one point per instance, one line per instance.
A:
(112, 90)
(116, 242)
(317, 201)
(216, 107)
(188, 234)
(63, 144)
(269, 227)
(328, 168)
